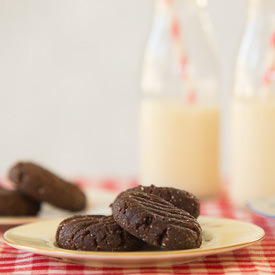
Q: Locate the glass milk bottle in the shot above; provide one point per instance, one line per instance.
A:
(179, 106)
(253, 107)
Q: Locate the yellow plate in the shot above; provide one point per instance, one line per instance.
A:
(219, 235)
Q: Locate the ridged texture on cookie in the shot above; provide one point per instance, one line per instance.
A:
(95, 233)
(42, 185)
(13, 203)
(180, 198)
(156, 221)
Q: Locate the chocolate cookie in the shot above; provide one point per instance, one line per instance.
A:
(156, 221)
(42, 185)
(13, 203)
(180, 198)
(95, 233)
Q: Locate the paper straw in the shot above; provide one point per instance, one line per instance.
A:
(270, 71)
(181, 54)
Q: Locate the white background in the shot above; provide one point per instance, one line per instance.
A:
(69, 81)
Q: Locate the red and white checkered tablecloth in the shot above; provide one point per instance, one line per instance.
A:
(256, 259)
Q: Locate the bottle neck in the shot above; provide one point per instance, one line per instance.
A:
(256, 54)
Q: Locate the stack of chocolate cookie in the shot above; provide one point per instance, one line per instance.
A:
(142, 216)
(35, 185)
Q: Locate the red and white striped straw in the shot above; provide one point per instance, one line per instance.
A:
(269, 74)
(181, 54)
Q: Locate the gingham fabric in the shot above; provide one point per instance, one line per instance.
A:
(256, 259)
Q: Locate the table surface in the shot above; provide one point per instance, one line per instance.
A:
(256, 259)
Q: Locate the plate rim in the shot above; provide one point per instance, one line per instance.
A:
(59, 252)
(255, 209)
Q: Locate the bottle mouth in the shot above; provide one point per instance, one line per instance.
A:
(202, 3)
